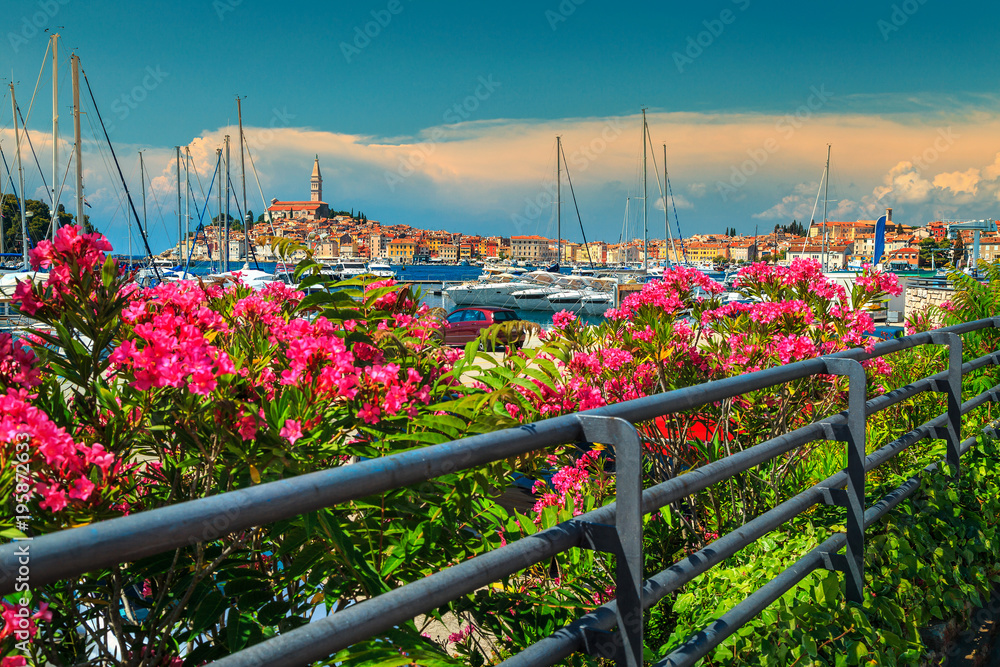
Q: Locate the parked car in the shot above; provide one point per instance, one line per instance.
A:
(465, 324)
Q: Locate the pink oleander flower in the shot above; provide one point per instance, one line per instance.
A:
(17, 364)
(461, 635)
(563, 319)
(291, 431)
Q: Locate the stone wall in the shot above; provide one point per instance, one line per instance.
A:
(919, 298)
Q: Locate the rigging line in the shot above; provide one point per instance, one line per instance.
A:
(202, 188)
(248, 251)
(663, 196)
(812, 218)
(45, 60)
(107, 168)
(201, 218)
(677, 220)
(269, 218)
(569, 179)
(10, 176)
(69, 163)
(281, 265)
(156, 201)
(673, 203)
(621, 234)
(27, 135)
(142, 231)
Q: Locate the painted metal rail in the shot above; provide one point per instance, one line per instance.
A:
(614, 630)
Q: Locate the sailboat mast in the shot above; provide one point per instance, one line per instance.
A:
(558, 200)
(55, 133)
(243, 181)
(180, 227)
(187, 190)
(20, 180)
(826, 200)
(145, 221)
(666, 214)
(218, 229)
(645, 207)
(226, 227)
(77, 138)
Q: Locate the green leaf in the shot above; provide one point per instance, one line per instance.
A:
(238, 631)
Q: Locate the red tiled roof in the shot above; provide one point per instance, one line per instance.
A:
(281, 205)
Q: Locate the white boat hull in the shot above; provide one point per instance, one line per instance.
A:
(498, 295)
(536, 300)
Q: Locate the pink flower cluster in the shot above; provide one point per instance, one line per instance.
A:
(874, 282)
(804, 276)
(679, 289)
(19, 622)
(69, 258)
(567, 484)
(172, 325)
(17, 364)
(396, 300)
(460, 636)
(674, 333)
(65, 467)
(563, 319)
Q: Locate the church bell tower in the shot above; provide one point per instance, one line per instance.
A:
(317, 183)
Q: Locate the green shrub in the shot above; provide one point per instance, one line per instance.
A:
(923, 562)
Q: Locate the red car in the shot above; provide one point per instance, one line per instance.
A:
(464, 324)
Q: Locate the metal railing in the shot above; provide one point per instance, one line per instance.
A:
(614, 528)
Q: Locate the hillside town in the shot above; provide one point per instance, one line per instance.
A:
(335, 237)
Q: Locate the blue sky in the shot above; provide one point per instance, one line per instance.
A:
(717, 77)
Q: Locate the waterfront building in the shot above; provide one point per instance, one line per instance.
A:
(836, 254)
(903, 259)
(743, 250)
(402, 251)
(530, 248)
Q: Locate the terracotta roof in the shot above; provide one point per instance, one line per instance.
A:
(282, 205)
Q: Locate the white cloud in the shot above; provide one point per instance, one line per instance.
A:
(680, 201)
(476, 176)
(959, 182)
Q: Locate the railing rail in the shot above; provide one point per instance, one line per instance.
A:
(613, 528)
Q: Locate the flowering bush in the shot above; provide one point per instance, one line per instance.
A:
(124, 399)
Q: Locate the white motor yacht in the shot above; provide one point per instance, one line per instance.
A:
(252, 278)
(535, 298)
(571, 300)
(494, 293)
(350, 268)
(597, 303)
(381, 269)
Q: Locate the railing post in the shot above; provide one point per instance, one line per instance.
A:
(952, 433)
(853, 565)
(624, 540)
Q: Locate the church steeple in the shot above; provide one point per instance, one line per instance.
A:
(317, 183)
